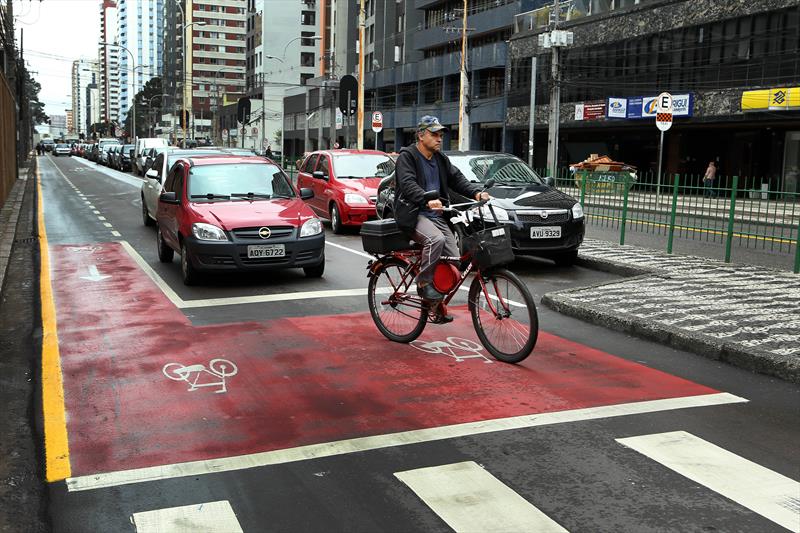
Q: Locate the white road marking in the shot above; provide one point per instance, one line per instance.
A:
(101, 218)
(180, 303)
(87, 202)
(211, 517)
(362, 254)
(468, 498)
(95, 275)
(119, 176)
(328, 449)
(108, 224)
(115, 233)
(751, 485)
(96, 212)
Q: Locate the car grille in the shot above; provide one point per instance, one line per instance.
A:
(252, 233)
(264, 260)
(537, 219)
(217, 260)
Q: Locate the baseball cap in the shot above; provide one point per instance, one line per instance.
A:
(430, 123)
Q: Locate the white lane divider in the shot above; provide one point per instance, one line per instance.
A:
(768, 493)
(390, 440)
(468, 498)
(211, 517)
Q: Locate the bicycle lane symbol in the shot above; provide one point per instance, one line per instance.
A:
(455, 347)
(197, 376)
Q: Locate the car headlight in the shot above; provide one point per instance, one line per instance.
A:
(355, 199)
(311, 227)
(208, 232)
(500, 213)
(577, 211)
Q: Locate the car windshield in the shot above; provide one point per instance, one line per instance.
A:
(357, 166)
(242, 181)
(503, 168)
(127, 148)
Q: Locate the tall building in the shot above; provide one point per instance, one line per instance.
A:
(283, 43)
(210, 63)
(108, 59)
(85, 73)
(70, 123)
(732, 68)
(141, 28)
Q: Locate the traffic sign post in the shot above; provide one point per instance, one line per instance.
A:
(663, 123)
(377, 125)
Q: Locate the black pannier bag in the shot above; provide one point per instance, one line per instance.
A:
(383, 236)
(490, 247)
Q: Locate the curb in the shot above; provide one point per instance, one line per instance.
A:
(759, 361)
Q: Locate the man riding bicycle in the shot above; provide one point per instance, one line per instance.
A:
(422, 167)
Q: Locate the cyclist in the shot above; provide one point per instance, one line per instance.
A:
(422, 167)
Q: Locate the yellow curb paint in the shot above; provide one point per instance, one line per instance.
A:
(56, 445)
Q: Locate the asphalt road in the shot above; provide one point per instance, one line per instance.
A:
(326, 426)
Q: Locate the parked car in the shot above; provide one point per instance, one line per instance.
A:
(113, 155)
(48, 144)
(153, 183)
(99, 150)
(141, 145)
(150, 156)
(125, 157)
(62, 149)
(345, 184)
(544, 221)
(226, 213)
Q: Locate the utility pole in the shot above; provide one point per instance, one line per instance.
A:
(463, 94)
(361, 24)
(555, 102)
(532, 123)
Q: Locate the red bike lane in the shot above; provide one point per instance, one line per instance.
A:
(144, 387)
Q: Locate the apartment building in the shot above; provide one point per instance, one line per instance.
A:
(140, 30)
(109, 62)
(85, 74)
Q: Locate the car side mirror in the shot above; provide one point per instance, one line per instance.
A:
(550, 181)
(306, 194)
(153, 174)
(488, 184)
(168, 198)
(319, 175)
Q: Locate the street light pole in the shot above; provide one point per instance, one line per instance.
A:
(360, 114)
(463, 119)
(133, 70)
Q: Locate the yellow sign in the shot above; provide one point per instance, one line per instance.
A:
(779, 99)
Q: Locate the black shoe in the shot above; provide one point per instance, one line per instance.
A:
(427, 292)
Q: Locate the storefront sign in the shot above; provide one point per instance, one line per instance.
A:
(779, 99)
(646, 106)
(590, 111)
(617, 108)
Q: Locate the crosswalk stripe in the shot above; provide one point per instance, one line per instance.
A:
(757, 488)
(468, 498)
(211, 517)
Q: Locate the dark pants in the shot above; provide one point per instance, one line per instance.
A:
(437, 240)
(709, 188)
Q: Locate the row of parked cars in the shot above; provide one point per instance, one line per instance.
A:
(224, 210)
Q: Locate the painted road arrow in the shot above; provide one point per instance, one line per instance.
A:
(95, 275)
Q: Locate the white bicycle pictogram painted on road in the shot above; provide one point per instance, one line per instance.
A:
(221, 369)
(455, 347)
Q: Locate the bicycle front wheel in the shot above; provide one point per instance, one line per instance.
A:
(504, 315)
(397, 317)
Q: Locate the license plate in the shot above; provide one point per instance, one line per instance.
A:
(265, 250)
(546, 232)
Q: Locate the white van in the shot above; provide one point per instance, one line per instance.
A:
(142, 144)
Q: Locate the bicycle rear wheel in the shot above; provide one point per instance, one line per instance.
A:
(399, 319)
(504, 315)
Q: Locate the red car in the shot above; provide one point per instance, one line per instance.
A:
(345, 184)
(236, 213)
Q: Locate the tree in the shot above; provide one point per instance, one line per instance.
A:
(147, 107)
(278, 138)
(32, 88)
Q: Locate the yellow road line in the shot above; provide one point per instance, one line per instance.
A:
(56, 445)
(697, 230)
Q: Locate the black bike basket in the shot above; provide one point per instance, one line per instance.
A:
(490, 247)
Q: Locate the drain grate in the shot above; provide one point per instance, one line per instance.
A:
(25, 240)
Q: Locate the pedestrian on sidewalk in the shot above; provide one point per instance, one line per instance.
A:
(39, 148)
(708, 180)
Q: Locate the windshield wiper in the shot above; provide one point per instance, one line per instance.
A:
(251, 195)
(211, 196)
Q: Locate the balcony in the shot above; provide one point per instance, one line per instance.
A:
(483, 23)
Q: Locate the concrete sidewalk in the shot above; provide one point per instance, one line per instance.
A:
(745, 315)
(9, 215)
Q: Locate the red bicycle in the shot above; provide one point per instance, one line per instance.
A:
(502, 308)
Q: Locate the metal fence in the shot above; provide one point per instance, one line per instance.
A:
(742, 211)
(8, 138)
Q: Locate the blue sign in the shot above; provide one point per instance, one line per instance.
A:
(638, 107)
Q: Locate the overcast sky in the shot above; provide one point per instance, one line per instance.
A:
(57, 32)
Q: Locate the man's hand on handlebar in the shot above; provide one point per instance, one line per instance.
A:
(435, 204)
(482, 196)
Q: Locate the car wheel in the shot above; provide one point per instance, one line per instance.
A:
(315, 271)
(458, 233)
(567, 259)
(189, 274)
(165, 253)
(146, 214)
(336, 220)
